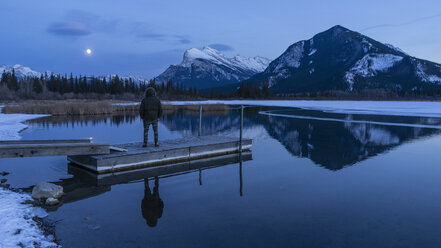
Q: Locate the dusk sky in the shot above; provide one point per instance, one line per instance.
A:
(142, 37)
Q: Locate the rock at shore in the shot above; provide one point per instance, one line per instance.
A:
(47, 190)
(52, 201)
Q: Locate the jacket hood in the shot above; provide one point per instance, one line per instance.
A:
(149, 92)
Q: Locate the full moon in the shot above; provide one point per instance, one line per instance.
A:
(88, 51)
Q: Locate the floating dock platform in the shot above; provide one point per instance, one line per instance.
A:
(133, 156)
(162, 171)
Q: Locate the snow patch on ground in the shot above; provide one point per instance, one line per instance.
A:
(11, 124)
(398, 108)
(312, 52)
(17, 228)
(126, 104)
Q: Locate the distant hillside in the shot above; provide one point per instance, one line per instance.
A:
(209, 68)
(341, 59)
(22, 72)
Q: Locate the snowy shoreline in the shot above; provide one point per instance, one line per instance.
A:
(17, 226)
(398, 108)
(12, 124)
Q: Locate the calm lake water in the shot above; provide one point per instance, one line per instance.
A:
(315, 180)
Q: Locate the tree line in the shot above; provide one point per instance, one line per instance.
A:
(70, 84)
(82, 85)
(115, 85)
(63, 86)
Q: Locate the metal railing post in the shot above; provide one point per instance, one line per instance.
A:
(240, 176)
(241, 129)
(200, 120)
(240, 150)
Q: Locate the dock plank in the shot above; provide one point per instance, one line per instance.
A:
(66, 141)
(55, 149)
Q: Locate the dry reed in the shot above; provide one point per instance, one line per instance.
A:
(88, 107)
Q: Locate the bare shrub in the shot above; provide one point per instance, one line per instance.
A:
(7, 95)
(193, 109)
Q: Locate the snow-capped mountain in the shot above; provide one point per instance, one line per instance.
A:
(208, 67)
(20, 71)
(341, 59)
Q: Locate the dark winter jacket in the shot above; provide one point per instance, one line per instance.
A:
(150, 109)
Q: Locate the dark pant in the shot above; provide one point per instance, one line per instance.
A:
(146, 130)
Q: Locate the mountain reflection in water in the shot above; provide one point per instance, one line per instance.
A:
(271, 199)
(331, 144)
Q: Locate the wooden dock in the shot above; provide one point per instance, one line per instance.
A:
(161, 171)
(133, 156)
(33, 148)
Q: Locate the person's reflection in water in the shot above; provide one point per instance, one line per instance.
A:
(152, 204)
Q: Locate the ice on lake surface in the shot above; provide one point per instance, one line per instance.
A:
(364, 181)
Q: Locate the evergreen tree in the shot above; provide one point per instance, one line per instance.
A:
(36, 85)
(76, 87)
(14, 81)
(5, 78)
(103, 87)
(265, 90)
(71, 83)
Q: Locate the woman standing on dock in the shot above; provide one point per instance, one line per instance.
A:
(150, 111)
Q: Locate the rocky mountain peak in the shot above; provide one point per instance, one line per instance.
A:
(207, 67)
